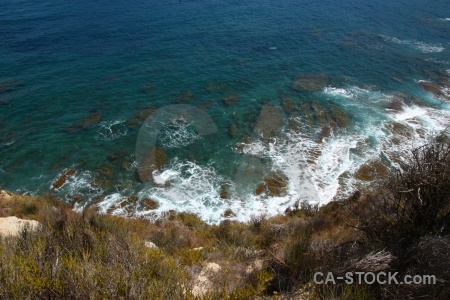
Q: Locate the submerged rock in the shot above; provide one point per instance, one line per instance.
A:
(8, 86)
(320, 114)
(63, 178)
(205, 104)
(270, 122)
(230, 100)
(105, 171)
(144, 113)
(147, 88)
(229, 213)
(324, 133)
(400, 129)
(91, 120)
(155, 159)
(140, 116)
(224, 191)
(371, 171)
(288, 105)
(341, 117)
(219, 87)
(185, 97)
(306, 113)
(133, 122)
(276, 184)
(261, 188)
(233, 131)
(102, 183)
(434, 89)
(119, 153)
(309, 82)
(149, 204)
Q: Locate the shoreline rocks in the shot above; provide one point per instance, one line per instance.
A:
(435, 89)
(63, 178)
(156, 158)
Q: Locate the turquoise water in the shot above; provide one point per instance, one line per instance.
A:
(63, 63)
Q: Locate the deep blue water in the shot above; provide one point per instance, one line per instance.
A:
(62, 62)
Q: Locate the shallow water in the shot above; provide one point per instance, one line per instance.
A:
(73, 76)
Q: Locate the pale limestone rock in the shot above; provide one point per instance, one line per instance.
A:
(202, 283)
(12, 226)
(4, 195)
(150, 245)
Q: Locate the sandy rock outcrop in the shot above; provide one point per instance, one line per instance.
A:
(12, 226)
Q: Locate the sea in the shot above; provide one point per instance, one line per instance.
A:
(245, 108)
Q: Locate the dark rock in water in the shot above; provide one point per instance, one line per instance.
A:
(105, 171)
(396, 104)
(149, 204)
(230, 100)
(102, 183)
(147, 88)
(144, 113)
(400, 129)
(434, 89)
(233, 131)
(261, 188)
(8, 86)
(306, 112)
(130, 199)
(224, 191)
(72, 128)
(76, 199)
(205, 104)
(218, 87)
(288, 104)
(119, 153)
(309, 82)
(91, 120)
(324, 133)
(140, 116)
(276, 184)
(372, 171)
(270, 122)
(63, 178)
(229, 213)
(444, 81)
(185, 97)
(320, 114)
(341, 117)
(295, 122)
(133, 122)
(126, 164)
(249, 118)
(155, 159)
(244, 141)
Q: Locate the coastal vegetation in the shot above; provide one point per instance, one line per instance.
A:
(400, 225)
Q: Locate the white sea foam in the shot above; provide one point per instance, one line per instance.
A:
(111, 130)
(79, 184)
(162, 177)
(179, 133)
(8, 142)
(418, 45)
(317, 172)
(109, 201)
